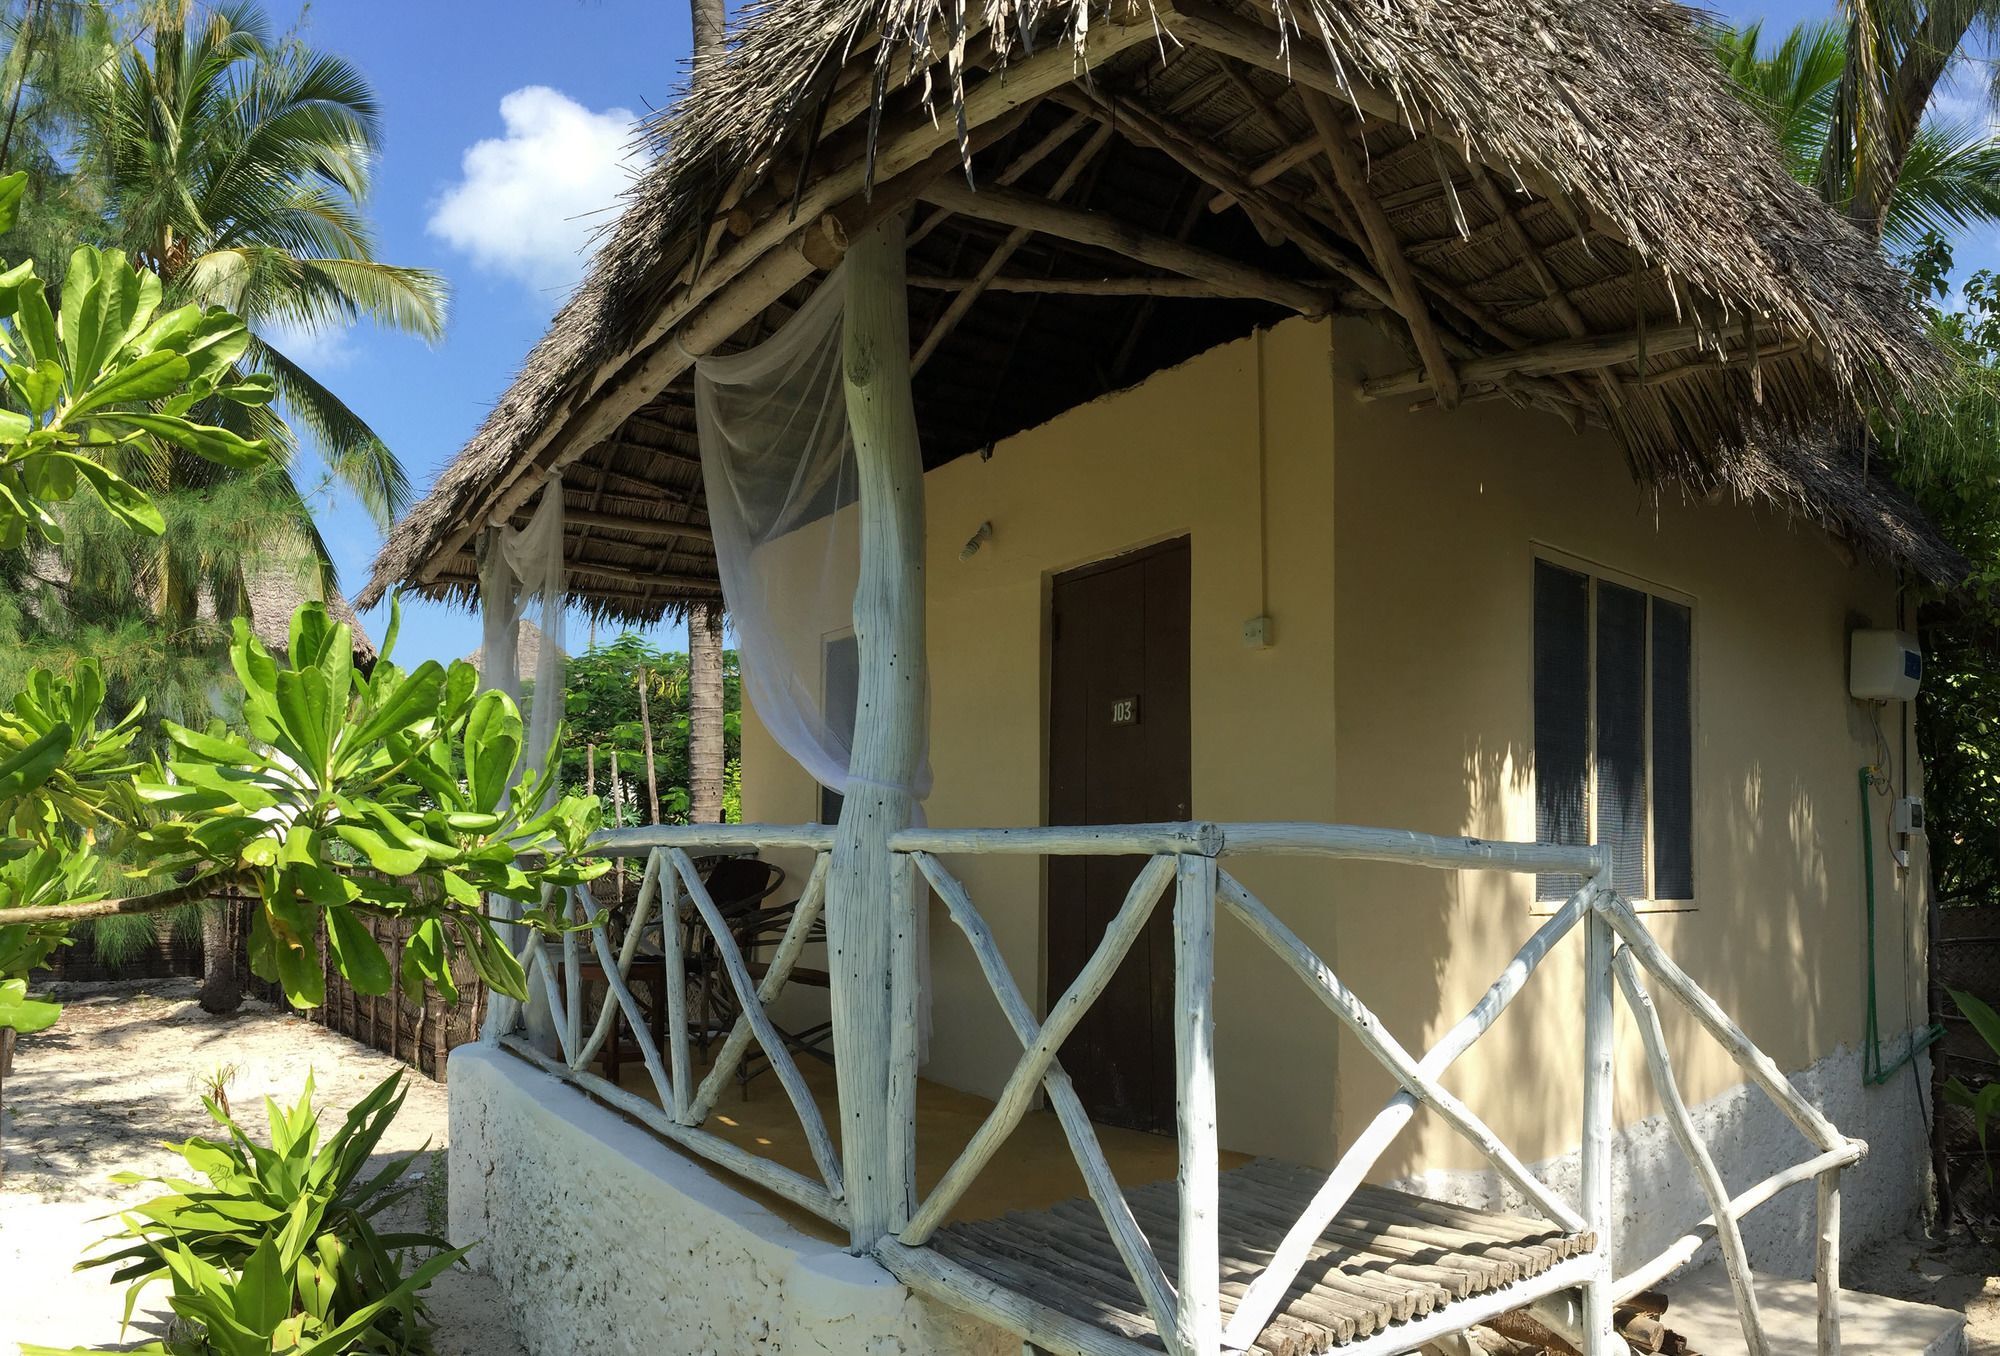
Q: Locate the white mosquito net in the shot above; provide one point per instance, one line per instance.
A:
(521, 575)
(780, 476)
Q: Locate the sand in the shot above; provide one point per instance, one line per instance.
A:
(121, 1072)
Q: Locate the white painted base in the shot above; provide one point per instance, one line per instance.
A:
(606, 1240)
(1657, 1197)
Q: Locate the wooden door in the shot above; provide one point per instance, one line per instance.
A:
(1118, 754)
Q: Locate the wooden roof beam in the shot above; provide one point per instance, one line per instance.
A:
(1009, 207)
(1563, 355)
(1013, 173)
(1387, 249)
(648, 578)
(960, 304)
(1275, 219)
(1288, 159)
(1075, 287)
(639, 527)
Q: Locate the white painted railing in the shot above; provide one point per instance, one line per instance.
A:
(1189, 857)
(1620, 953)
(680, 1105)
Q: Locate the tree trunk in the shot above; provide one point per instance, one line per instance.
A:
(646, 733)
(221, 987)
(705, 713)
(708, 30)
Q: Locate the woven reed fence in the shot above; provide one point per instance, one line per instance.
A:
(171, 954)
(418, 1028)
(1966, 956)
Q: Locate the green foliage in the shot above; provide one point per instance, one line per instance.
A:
(65, 790)
(1949, 178)
(110, 375)
(1985, 1101)
(601, 709)
(279, 1251)
(407, 772)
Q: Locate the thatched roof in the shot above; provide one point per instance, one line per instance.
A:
(1550, 202)
(274, 593)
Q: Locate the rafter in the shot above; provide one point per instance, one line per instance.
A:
(640, 527)
(1016, 238)
(647, 578)
(1563, 355)
(1382, 241)
(1079, 287)
(1010, 207)
(1012, 174)
(1276, 219)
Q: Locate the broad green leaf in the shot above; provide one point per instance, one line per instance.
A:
(381, 854)
(361, 959)
(148, 378)
(24, 1014)
(12, 188)
(31, 766)
(123, 499)
(492, 748)
(218, 445)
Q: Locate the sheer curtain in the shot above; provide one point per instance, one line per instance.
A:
(778, 468)
(521, 574)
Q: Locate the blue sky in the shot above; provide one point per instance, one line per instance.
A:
(508, 137)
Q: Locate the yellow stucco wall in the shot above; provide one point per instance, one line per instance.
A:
(1393, 553)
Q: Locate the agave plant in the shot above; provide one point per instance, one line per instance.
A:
(279, 1252)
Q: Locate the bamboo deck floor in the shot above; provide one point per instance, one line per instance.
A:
(1388, 1257)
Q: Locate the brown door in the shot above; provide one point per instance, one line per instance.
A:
(1118, 754)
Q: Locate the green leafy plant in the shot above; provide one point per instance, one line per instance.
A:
(112, 376)
(410, 774)
(65, 789)
(1984, 1101)
(279, 1251)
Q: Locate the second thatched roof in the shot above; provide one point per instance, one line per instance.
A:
(1554, 203)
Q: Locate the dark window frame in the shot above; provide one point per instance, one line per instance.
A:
(830, 800)
(1667, 864)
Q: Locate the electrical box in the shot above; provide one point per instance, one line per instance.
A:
(1907, 818)
(1884, 666)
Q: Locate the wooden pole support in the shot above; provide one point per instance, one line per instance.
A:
(889, 729)
(1199, 1289)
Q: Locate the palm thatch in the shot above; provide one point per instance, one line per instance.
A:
(274, 593)
(1557, 204)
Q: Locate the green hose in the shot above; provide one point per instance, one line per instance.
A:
(1873, 1073)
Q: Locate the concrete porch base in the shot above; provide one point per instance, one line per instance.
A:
(607, 1241)
(1701, 1308)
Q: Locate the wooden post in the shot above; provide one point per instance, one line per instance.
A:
(499, 667)
(1827, 1263)
(1599, 1086)
(1198, 1322)
(888, 726)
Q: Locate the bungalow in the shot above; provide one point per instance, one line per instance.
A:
(1326, 673)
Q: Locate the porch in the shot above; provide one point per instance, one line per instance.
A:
(1082, 1239)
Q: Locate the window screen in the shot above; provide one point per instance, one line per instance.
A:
(1562, 713)
(1614, 732)
(840, 681)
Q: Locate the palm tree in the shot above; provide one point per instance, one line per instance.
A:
(236, 165)
(1949, 171)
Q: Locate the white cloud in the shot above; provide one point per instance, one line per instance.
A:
(527, 203)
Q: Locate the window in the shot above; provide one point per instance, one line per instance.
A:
(840, 689)
(1614, 730)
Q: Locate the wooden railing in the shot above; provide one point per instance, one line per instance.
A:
(682, 1105)
(1620, 953)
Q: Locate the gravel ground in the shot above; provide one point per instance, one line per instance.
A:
(122, 1072)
